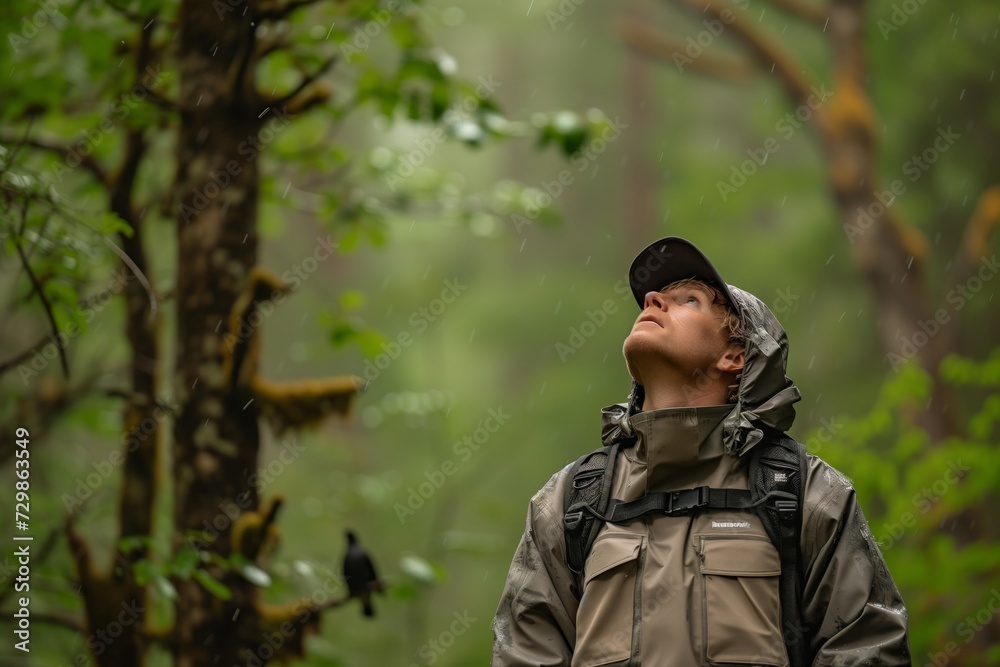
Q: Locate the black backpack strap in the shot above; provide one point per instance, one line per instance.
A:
(685, 501)
(777, 477)
(588, 491)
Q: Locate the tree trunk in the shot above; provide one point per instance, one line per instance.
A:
(216, 433)
(889, 253)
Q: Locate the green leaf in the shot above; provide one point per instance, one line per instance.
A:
(422, 570)
(213, 585)
(351, 299)
(185, 561)
(110, 224)
(144, 571)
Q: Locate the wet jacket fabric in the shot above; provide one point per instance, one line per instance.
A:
(703, 589)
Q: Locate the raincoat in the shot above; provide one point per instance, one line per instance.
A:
(678, 591)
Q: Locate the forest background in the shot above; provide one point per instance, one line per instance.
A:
(445, 196)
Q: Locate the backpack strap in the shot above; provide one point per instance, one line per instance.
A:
(777, 477)
(685, 501)
(584, 504)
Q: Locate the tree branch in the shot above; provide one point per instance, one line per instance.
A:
(21, 356)
(41, 292)
(975, 245)
(87, 161)
(981, 226)
(654, 43)
(769, 58)
(307, 80)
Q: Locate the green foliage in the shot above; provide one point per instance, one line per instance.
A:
(923, 500)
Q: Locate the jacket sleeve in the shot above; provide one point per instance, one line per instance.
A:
(850, 603)
(535, 623)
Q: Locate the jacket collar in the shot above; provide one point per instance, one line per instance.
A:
(676, 447)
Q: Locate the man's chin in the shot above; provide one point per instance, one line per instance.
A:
(637, 350)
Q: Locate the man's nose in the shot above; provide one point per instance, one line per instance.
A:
(654, 299)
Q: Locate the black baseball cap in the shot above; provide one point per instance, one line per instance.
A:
(671, 259)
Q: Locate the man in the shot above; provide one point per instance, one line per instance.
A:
(708, 366)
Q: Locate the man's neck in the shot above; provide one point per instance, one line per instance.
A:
(676, 393)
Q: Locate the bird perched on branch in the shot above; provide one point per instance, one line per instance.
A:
(285, 405)
(359, 573)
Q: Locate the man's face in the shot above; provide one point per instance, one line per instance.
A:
(679, 329)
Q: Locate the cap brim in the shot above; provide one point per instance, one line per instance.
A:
(671, 259)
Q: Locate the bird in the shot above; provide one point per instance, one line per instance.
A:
(359, 573)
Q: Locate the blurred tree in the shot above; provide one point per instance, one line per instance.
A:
(177, 103)
(891, 253)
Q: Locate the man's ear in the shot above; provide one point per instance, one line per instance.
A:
(732, 360)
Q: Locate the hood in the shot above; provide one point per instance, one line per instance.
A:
(765, 396)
